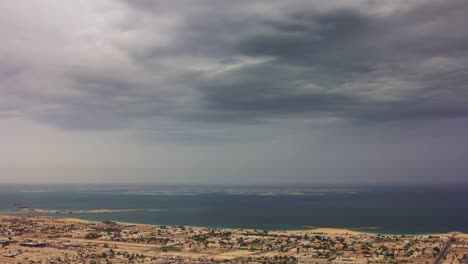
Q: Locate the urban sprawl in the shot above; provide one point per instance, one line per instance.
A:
(40, 239)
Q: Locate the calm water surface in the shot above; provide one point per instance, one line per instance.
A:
(416, 209)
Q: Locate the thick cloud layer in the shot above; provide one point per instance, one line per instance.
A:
(215, 72)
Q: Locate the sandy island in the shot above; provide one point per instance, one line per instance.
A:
(96, 211)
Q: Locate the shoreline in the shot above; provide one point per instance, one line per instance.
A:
(311, 230)
(53, 239)
(307, 230)
(91, 211)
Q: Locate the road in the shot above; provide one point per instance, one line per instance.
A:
(445, 250)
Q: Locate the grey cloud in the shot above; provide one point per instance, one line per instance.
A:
(321, 91)
(346, 47)
(183, 61)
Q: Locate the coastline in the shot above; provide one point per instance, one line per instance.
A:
(43, 238)
(92, 211)
(307, 230)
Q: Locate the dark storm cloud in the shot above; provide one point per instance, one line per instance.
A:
(213, 91)
(346, 51)
(247, 61)
(323, 39)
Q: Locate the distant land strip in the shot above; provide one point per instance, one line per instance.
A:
(95, 211)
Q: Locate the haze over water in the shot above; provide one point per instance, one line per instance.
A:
(382, 209)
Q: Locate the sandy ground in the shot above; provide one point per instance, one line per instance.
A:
(328, 230)
(233, 254)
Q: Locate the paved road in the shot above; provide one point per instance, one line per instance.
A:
(445, 250)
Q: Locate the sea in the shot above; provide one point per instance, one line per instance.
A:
(389, 209)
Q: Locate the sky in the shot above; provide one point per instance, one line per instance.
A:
(234, 92)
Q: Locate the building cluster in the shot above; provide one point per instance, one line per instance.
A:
(30, 239)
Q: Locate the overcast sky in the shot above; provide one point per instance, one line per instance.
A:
(213, 91)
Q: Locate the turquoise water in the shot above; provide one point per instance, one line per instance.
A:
(409, 210)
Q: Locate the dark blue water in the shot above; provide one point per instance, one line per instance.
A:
(396, 209)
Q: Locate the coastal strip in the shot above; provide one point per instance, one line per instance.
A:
(28, 239)
(93, 211)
